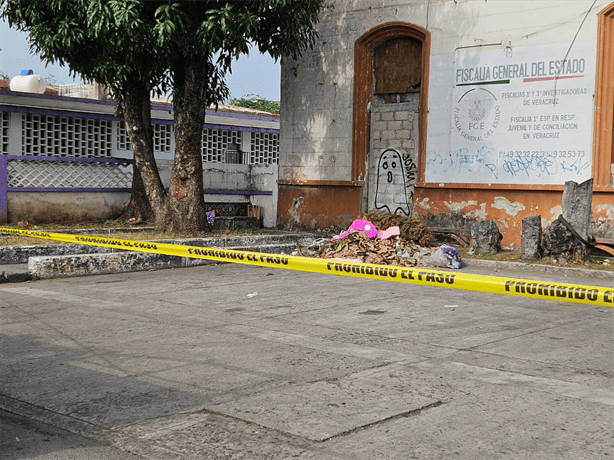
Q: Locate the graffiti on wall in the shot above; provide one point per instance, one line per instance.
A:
(396, 174)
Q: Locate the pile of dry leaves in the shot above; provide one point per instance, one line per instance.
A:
(414, 235)
(411, 229)
(357, 245)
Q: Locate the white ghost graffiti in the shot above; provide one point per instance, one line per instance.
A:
(390, 192)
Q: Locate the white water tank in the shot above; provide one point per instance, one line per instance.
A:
(28, 84)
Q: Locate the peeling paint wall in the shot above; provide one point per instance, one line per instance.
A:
(455, 209)
(304, 207)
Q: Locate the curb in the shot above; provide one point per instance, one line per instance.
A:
(540, 268)
(71, 260)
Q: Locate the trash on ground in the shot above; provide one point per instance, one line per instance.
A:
(359, 224)
(358, 246)
(253, 294)
(365, 241)
(385, 234)
(444, 256)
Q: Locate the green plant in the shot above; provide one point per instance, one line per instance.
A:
(252, 101)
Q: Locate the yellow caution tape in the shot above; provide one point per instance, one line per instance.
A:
(593, 295)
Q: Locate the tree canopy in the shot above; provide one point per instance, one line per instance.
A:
(252, 101)
(186, 48)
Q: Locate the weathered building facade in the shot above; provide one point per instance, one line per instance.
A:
(451, 110)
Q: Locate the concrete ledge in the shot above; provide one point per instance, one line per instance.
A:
(101, 264)
(21, 254)
(65, 266)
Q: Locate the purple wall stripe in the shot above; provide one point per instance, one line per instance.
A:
(243, 116)
(242, 128)
(70, 159)
(238, 192)
(45, 189)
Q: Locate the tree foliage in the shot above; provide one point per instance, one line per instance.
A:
(252, 101)
(139, 47)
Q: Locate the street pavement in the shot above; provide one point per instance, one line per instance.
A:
(239, 362)
(25, 439)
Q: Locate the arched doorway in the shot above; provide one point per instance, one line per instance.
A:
(603, 154)
(378, 86)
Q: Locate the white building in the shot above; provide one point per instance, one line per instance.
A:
(64, 158)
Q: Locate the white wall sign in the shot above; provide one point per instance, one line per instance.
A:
(515, 116)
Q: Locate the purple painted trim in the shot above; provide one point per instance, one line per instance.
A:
(242, 128)
(242, 116)
(69, 159)
(55, 97)
(97, 116)
(167, 108)
(45, 189)
(58, 113)
(3, 189)
(238, 192)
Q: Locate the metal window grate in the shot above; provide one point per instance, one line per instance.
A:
(66, 174)
(4, 133)
(215, 143)
(46, 135)
(162, 136)
(265, 148)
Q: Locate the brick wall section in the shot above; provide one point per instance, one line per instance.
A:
(395, 126)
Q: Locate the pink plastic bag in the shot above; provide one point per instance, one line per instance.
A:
(358, 224)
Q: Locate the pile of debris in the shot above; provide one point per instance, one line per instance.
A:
(410, 229)
(358, 247)
(385, 239)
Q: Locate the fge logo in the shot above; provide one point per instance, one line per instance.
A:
(477, 114)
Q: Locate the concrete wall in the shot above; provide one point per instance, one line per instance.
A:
(485, 181)
(65, 207)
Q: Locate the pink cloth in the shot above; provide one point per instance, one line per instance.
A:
(358, 224)
(385, 234)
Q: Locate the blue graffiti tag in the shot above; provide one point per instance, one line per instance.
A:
(536, 165)
(577, 166)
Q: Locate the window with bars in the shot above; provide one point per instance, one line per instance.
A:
(265, 148)
(4, 133)
(162, 135)
(215, 142)
(47, 135)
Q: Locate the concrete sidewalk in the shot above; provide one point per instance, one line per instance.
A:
(240, 362)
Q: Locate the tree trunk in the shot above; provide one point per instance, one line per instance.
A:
(138, 207)
(186, 204)
(137, 114)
